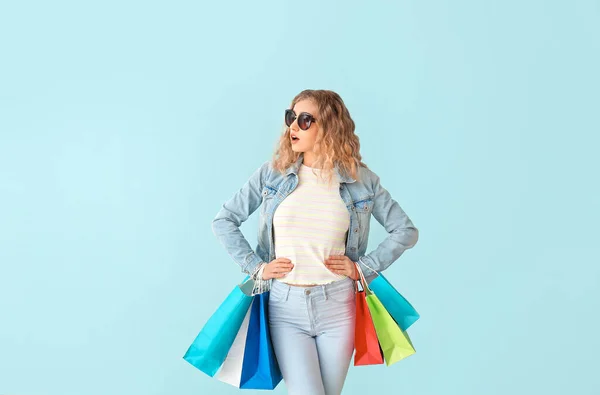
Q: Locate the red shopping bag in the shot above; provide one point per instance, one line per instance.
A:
(367, 349)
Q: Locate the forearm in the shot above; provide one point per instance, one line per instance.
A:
(402, 234)
(236, 210)
(260, 285)
(236, 245)
(389, 250)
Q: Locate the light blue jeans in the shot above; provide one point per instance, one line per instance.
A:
(312, 329)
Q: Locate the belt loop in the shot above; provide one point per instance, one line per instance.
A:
(324, 291)
(287, 293)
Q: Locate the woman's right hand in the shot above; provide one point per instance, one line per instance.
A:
(277, 268)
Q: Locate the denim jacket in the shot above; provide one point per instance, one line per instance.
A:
(267, 188)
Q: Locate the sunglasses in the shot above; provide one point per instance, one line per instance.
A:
(304, 119)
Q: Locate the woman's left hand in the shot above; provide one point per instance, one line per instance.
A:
(341, 264)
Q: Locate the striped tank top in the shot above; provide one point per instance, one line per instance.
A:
(310, 224)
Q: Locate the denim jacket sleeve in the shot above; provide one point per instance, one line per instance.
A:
(226, 224)
(402, 233)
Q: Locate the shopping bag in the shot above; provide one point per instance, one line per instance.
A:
(394, 342)
(231, 370)
(396, 304)
(260, 369)
(210, 348)
(366, 345)
(399, 308)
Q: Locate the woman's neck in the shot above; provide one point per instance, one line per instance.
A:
(308, 160)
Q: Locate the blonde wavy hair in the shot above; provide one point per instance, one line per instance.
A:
(336, 142)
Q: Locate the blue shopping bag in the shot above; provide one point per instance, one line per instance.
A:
(210, 348)
(399, 308)
(260, 369)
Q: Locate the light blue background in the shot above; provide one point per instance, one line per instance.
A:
(125, 125)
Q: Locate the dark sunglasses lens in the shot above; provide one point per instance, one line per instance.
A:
(289, 117)
(304, 121)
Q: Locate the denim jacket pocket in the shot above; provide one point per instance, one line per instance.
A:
(363, 209)
(364, 206)
(268, 193)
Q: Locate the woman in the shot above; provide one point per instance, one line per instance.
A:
(317, 198)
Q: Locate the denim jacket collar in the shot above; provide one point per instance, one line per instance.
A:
(294, 167)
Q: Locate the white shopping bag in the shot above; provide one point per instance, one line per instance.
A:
(231, 369)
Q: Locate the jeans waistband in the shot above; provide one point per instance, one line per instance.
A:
(332, 287)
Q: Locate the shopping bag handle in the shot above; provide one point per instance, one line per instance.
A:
(362, 281)
(364, 263)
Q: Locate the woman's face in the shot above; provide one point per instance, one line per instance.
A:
(306, 138)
